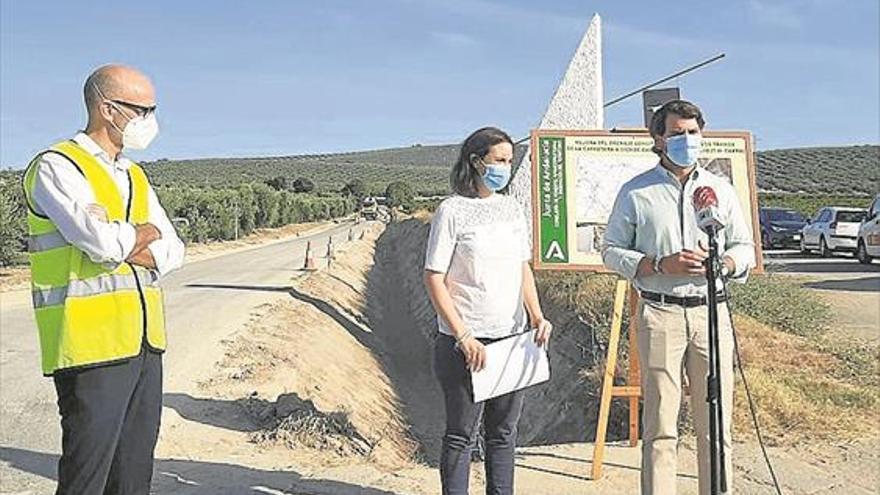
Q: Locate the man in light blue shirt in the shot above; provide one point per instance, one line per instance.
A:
(653, 240)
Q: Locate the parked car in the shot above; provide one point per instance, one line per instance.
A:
(780, 227)
(868, 237)
(833, 228)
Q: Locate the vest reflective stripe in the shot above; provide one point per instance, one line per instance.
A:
(46, 242)
(92, 287)
(88, 314)
(49, 297)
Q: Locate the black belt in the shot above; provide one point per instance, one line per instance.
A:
(687, 302)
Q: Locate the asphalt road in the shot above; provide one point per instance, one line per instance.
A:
(839, 272)
(205, 302)
(849, 287)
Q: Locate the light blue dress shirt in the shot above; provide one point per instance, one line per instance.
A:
(654, 216)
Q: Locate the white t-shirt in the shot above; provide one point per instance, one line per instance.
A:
(481, 244)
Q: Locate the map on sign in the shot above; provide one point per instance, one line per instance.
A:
(597, 181)
(579, 173)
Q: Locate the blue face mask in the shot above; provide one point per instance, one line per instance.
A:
(683, 149)
(496, 176)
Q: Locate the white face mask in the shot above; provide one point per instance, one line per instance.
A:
(683, 149)
(139, 132)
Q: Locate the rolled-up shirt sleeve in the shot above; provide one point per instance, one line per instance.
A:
(62, 194)
(441, 240)
(168, 252)
(620, 235)
(738, 241)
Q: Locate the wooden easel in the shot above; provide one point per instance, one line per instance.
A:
(632, 389)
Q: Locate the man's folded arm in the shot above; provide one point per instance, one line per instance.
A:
(63, 195)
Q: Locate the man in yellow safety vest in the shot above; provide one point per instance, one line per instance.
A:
(98, 242)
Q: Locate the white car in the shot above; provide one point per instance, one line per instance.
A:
(868, 238)
(833, 228)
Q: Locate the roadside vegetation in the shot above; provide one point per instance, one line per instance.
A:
(806, 386)
(841, 170)
(12, 221)
(224, 198)
(200, 214)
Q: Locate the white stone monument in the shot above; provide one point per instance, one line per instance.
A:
(576, 104)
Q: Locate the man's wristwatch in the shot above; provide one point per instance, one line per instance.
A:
(657, 267)
(725, 271)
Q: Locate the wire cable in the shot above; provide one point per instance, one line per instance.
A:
(742, 372)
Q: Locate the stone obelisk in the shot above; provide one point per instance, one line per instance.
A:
(576, 104)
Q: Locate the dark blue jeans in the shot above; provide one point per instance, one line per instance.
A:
(500, 417)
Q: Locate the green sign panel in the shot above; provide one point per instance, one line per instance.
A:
(551, 192)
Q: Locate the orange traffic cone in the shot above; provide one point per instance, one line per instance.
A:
(310, 258)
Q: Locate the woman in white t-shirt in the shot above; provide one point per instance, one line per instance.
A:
(478, 277)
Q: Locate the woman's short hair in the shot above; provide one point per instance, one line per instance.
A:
(467, 172)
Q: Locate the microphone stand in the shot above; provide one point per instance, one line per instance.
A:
(713, 394)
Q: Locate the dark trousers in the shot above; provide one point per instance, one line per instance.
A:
(110, 424)
(500, 417)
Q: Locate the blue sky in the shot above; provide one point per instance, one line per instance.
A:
(288, 77)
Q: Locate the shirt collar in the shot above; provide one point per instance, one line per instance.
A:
(695, 174)
(122, 163)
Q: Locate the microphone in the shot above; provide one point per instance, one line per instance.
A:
(706, 209)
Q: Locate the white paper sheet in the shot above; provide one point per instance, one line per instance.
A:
(512, 364)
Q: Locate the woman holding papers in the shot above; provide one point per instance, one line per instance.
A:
(478, 277)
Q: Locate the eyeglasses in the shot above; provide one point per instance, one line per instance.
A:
(139, 110)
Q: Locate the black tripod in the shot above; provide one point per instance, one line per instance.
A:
(713, 393)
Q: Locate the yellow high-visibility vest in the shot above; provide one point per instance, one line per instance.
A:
(88, 314)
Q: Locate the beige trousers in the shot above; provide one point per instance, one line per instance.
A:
(669, 337)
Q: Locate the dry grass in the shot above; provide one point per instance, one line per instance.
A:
(806, 386)
(803, 391)
(422, 214)
(300, 424)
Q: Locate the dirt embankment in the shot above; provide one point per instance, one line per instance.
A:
(349, 358)
(348, 355)
(561, 411)
(308, 372)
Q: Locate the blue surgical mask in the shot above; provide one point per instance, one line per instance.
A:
(496, 176)
(683, 149)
